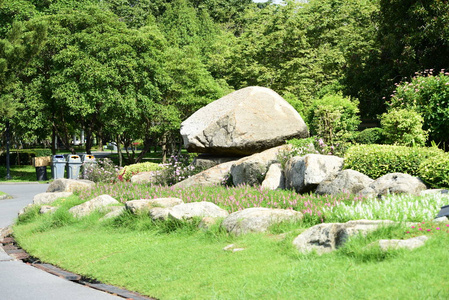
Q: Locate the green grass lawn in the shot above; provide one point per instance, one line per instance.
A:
(180, 261)
(21, 173)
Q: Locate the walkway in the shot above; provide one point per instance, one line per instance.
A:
(19, 281)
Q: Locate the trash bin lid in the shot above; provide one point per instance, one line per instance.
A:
(74, 158)
(58, 158)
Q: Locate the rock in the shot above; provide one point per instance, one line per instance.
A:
(346, 181)
(232, 248)
(410, 244)
(159, 213)
(442, 192)
(45, 209)
(197, 209)
(114, 211)
(24, 209)
(207, 222)
(251, 170)
(304, 173)
(49, 198)
(144, 177)
(244, 122)
(213, 176)
(258, 219)
(205, 161)
(326, 237)
(146, 204)
(90, 206)
(394, 183)
(274, 179)
(441, 220)
(69, 185)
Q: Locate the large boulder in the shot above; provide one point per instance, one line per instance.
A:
(244, 122)
(210, 177)
(197, 209)
(274, 179)
(251, 169)
(206, 161)
(49, 198)
(69, 185)
(327, 237)
(98, 203)
(394, 183)
(346, 181)
(258, 219)
(304, 173)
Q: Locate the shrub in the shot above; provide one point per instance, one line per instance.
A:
(127, 172)
(378, 160)
(103, 170)
(428, 95)
(434, 171)
(177, 169)
(369, 136)
(403, 127)
(333, 118)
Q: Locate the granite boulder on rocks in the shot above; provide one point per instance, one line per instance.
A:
(244, 122)
(258, 219)
(69, 185)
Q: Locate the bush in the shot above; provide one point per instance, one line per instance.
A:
(369, 136)
(177, 169)
(103, 170)
(428, 95)
(403, 127)
(434, 171)
(333, 118)
(127, 172)
(378, 160)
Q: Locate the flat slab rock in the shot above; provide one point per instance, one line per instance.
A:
(197, 209)
(146, 204)
(98, 203)
(258, 219)
(69, 185)
(244, 122)
(327, 237)
(409, 244)
(49, 198)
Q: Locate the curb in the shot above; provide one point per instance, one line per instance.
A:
(9, 246)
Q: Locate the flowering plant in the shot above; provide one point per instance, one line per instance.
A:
(102, 170)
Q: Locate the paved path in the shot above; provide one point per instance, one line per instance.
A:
(19, 281)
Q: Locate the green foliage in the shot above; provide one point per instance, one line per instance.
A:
(434, 171)
(369, 136)
(127, 172)
(378, 160)
(428, 95)
(333, 118)
(403, 127)
(176, 169)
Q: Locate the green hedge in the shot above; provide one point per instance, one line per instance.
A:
(434, 171)
(378, 160)
(23, 157)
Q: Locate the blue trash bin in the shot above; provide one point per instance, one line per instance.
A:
(73, 166)
(58, 163)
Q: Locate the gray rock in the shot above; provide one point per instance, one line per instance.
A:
(90, 206)
(304, 173)
(410, 244)
(346, 181)
(244, 122)
(251, 170)
(258, 219)
(144, 177)
(69, 185)
(274, 179)
(326, 237)
(206, 161)
(49, 198)
(46, 209)
(394, 183)
(197, 209)
(24, 209)
(441, 220)
(213, 176)
(159, 213)
(114, 211)
(146, 204)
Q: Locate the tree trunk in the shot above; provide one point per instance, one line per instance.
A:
(119, 151)
(164, 148)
